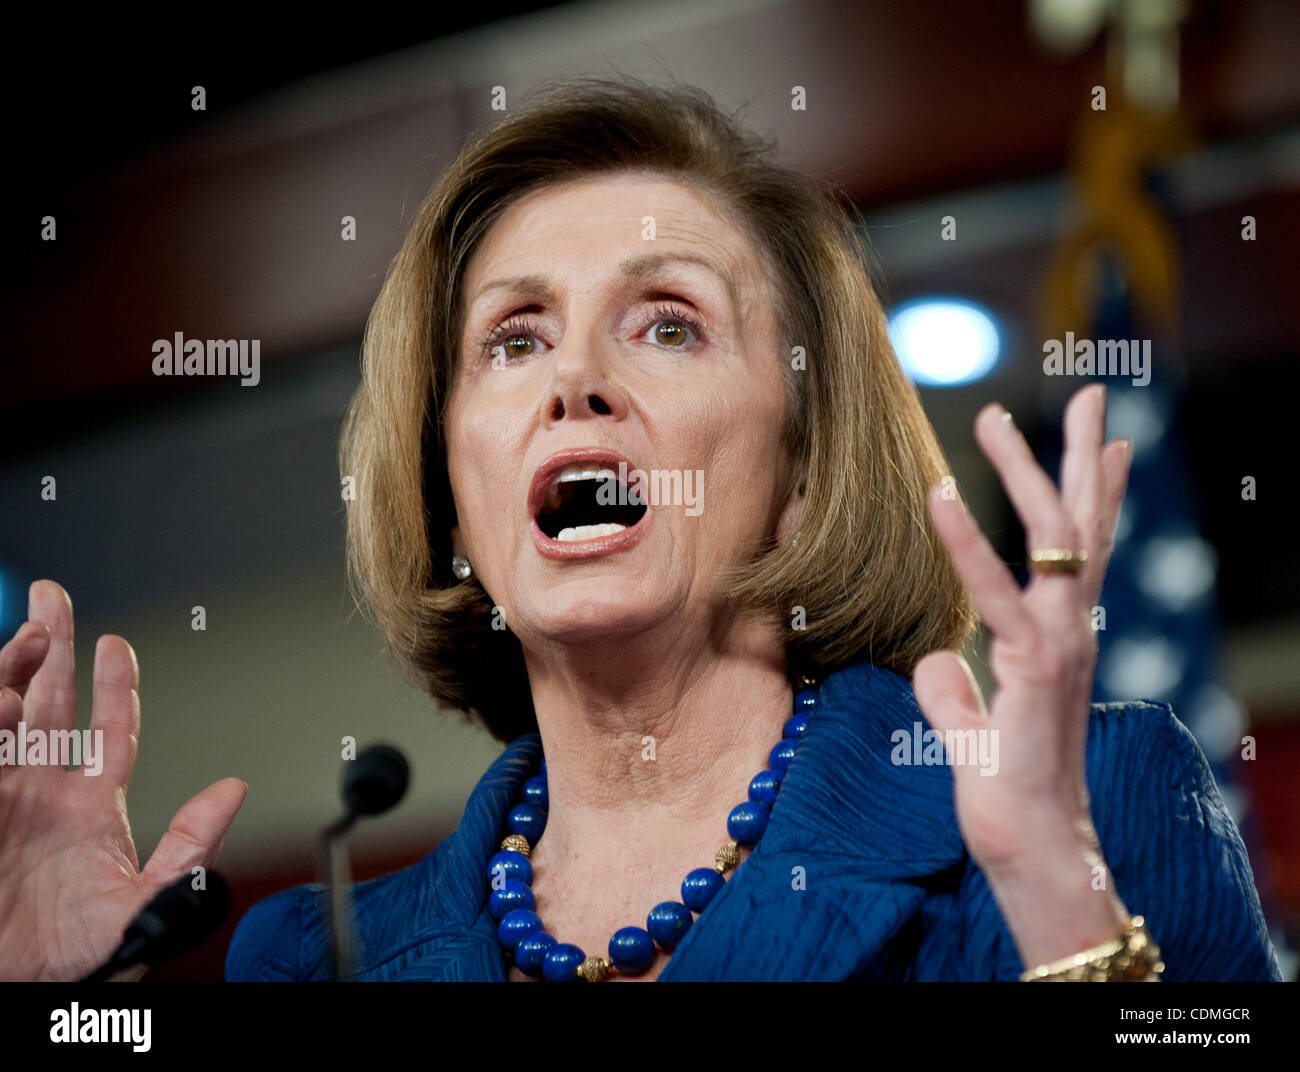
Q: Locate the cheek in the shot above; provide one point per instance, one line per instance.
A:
(736, 440)
(485, 473)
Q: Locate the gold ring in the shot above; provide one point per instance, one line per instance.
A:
(1057, 560)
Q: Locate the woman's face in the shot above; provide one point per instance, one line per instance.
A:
(607, 320)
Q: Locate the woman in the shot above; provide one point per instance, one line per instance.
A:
(641, 485)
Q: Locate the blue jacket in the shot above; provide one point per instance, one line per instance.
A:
(889, 890)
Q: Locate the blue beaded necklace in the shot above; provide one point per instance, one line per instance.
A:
(631, 949)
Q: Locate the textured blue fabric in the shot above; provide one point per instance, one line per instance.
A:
(890, 891)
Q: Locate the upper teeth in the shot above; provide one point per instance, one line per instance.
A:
(584, 472)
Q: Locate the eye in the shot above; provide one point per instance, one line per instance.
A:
(673, 329)
(510, 342)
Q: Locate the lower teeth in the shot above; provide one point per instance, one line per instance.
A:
(588, 532)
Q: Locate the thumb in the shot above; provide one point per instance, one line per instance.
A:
(195, 834)
(947, 692)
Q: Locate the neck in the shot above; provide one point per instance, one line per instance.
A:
(651, 742)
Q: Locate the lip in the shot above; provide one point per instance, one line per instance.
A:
(601, 545)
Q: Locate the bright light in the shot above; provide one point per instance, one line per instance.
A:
(943, 342)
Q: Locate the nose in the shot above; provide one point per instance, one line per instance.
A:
(581, 387)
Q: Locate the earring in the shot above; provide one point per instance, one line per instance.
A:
(460, 567)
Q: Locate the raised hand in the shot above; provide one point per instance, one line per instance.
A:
(1029, 826)
(70, 879)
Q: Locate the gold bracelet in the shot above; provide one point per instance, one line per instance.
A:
(1131, 957)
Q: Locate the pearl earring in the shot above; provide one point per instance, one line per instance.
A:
(460, 567)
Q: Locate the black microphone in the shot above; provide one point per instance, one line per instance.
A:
(177, 920)
(372, 783)
(375, 780)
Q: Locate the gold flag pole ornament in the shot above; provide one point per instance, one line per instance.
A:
(1130, 124)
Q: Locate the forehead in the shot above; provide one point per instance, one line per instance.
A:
(582, 222)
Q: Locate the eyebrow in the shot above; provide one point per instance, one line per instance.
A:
(638, 268)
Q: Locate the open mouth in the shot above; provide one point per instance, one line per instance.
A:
(586, 501)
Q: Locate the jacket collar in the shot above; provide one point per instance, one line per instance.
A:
(863, 828)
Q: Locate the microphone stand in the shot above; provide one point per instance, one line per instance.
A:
(372, 784)
(335, 872)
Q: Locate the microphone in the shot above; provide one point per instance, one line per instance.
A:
(372, 783)
(177, 920)
(375, 780)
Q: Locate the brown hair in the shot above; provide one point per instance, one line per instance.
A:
(872, 576)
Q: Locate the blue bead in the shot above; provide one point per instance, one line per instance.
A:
(516, 926)
(796, 726)
(526, 819)
(560, 963)
(512, 864)
(632, 950)
(805, 700)
(699, 887)
(529, 953)
(668, 923)
(764, 787)
(747, 822)
(535, 793)
(778, 760)
(514, 895)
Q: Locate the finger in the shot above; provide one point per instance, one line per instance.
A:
(992, 588)
(1054, 599)
(23, 655)
(1117, 458)
(1085, 431)
(51, 700)
(195, 833)
(947, 692)
(115, 710)
(1116, 463)
(1031, 491)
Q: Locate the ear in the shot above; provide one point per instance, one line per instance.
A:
(457, 545)
(793, 508)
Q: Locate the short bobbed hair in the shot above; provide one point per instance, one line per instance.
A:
(864, 576)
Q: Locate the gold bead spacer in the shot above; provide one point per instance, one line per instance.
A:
(727, 857)
(594, 969)
(515, 843)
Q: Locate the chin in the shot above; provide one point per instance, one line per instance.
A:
(597, 609)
